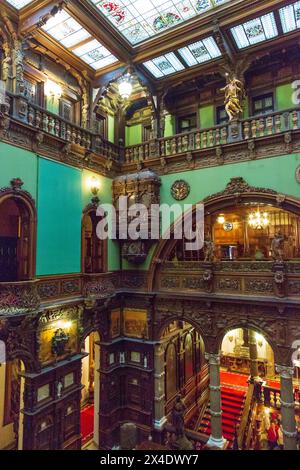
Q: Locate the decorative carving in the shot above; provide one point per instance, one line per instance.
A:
(234, 95)
(277, 247)
(209, 250)
(238, 185)
(59, 341)
(180, 190)
(19, 298)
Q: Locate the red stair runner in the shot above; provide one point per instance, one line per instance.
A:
(87, 423)
(232, 406)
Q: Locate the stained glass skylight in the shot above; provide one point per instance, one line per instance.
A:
(254, 31)
(19, 3)
(138, 20)
(72, 35)
(290, 17)
(94, 54)
(200, 51)
(164, 65)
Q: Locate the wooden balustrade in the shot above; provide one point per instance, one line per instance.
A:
(251, 128)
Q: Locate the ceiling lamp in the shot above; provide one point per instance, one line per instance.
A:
(258, 220)
(125, 86)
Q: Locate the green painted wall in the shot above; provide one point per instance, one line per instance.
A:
(16, 162)
(105, 196)
(169, 125)
(207, 116)
(283, 96)
(133, 135)
(111, 128)
(59, 219)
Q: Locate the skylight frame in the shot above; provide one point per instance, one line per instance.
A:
(19, 4)
(290, 17)
(175, 65)
(140, 20)
(189, 55)
(74, 37)
(267, 29)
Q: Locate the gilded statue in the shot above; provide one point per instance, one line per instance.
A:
(234, 95)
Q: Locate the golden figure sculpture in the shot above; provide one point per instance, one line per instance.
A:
(234, 95)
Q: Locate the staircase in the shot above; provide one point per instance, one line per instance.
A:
(232, 407)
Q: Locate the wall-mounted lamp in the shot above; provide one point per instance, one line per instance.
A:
(52, 89)
(221, 219)
(94, 186)
(125, 86)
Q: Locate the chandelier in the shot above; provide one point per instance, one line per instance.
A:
(125, 86)
(258, 220)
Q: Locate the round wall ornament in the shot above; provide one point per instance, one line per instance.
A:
(180, 189)
(298, 174)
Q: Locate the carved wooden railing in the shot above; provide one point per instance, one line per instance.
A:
(51, 124)
(246, 419)
(251, 128)
(259, 278)
(19, 297)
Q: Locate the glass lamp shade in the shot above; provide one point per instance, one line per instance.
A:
(125, 88)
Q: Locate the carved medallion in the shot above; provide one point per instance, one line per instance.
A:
(180, 189)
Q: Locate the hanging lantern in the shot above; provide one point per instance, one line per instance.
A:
(125, 87)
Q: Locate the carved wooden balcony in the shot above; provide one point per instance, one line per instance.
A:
(255, 137)
(17, 298)
(234, 278)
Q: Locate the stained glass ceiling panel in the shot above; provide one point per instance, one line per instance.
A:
(19, 3)
(255, 31)
(72, 35)
(200, 51)
(164, 65)
(290, 17)
(139, 20)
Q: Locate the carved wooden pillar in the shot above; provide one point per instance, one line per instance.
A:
(216, 438)
(287, 407)
(253, 356)
(159, 388)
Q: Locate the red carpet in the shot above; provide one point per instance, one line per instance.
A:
(87, 423)
(234, 379)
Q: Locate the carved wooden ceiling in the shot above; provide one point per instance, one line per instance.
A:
(166, 40)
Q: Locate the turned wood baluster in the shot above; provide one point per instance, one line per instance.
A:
(73, 135)
(78, 137)
(168, 147)
(269, 125)
(253, 128)
(278, 123)
(295, 120)
(30, 116)
(146, 151)
(68, 133)
(173, 146)
(224, 135)
(38, 119)
(56, 127)
(261, 125)
(218, 137)
(179, 144)
(162, 148)
(127, 156)
(246, 130)
(204, 139)
(88, 140)
(50, 124)
(141, 153)
(198, 140)
(83, 140)
(185, 143)
(211, 138)
(45, 122)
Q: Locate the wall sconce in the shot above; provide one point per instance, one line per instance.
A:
(221, 219)
(52, 90)
(94, 185)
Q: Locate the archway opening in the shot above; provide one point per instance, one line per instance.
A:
(90, 396)
(11, 402)
(16, 239)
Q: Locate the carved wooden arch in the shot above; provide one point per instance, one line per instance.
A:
(236, 192)
(26, 206)
(87, 211)
(163, 323)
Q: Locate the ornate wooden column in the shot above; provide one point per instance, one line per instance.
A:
(253, 356)
(287, 407)
(159, 388)
(216, 438)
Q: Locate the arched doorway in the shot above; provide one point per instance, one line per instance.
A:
(17, 234)
(90, 397)
(11, 401)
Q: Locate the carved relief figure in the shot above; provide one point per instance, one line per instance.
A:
(234, 95)
(178, 413)
(208, 248)
(277, 246)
